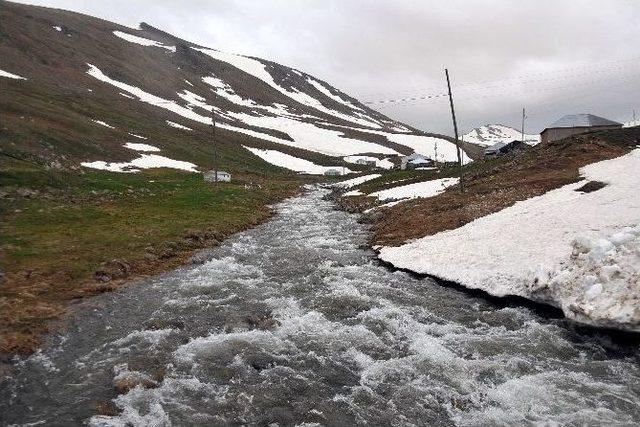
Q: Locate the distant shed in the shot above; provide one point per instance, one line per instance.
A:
(210, 176)
(494, 150)
(574, 124)
(500, 148)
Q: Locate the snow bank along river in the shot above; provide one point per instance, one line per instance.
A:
(292, 323)
(578, 251)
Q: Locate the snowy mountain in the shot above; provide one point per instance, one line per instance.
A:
(631, 123)
(77, 89)
(490, 134)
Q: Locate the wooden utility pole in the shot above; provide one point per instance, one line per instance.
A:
(523, 117)
(455, 128)
(215, 148)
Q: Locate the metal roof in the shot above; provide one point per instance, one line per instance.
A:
(582, 120)
(414, 156)
(495, 147)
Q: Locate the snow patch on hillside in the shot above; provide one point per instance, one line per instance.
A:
(290, 162)
(258, 70)
(310, 137)
(356, 181)
(101, 123)
(140, 147)
(419, 189)
(529, 249)
(145, 161)
(11, 75)
(304, 135)
(177, 125)
(222, 89)
(137, 136)
(191, 98)
(142, 41)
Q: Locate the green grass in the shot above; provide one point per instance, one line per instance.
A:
(98, 216)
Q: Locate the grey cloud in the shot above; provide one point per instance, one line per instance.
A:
(389, 49)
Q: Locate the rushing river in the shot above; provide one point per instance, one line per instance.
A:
(294, 323)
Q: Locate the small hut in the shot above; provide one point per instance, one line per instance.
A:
(574, 124)
(210, 176)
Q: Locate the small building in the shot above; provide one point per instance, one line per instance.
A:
(575, 124)
(414, 161)
(500, 148)
(494, 150)
(210, 176)
(366, 162)
(333, 172)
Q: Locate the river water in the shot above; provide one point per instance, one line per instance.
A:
(294, 323)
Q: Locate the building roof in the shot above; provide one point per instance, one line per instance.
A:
(495, 147)
(419, 160)
(582, 120)
(414, 156)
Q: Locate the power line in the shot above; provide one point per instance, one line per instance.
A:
(498, 90)
(498, 84)
(593, 67)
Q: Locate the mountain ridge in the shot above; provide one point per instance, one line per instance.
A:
(80, 70)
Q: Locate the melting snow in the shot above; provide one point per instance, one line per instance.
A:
(173, 106)
(526, 249)
(101, 123)
(11, 75)
(177, 125)
(313, 138)
(357, 181)
(257, 69)
(140, 147)
(222, 89)
(142, 41)
(145, 161)
(287, 161)
(418, 189)
(137, 136)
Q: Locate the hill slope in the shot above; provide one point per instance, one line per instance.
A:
(77, 89)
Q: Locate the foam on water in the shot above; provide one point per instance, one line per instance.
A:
(291, 323)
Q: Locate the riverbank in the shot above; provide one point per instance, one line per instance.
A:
(255, 336)
(540, 225)
(69, 235)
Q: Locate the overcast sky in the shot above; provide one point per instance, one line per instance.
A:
(553, 57)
